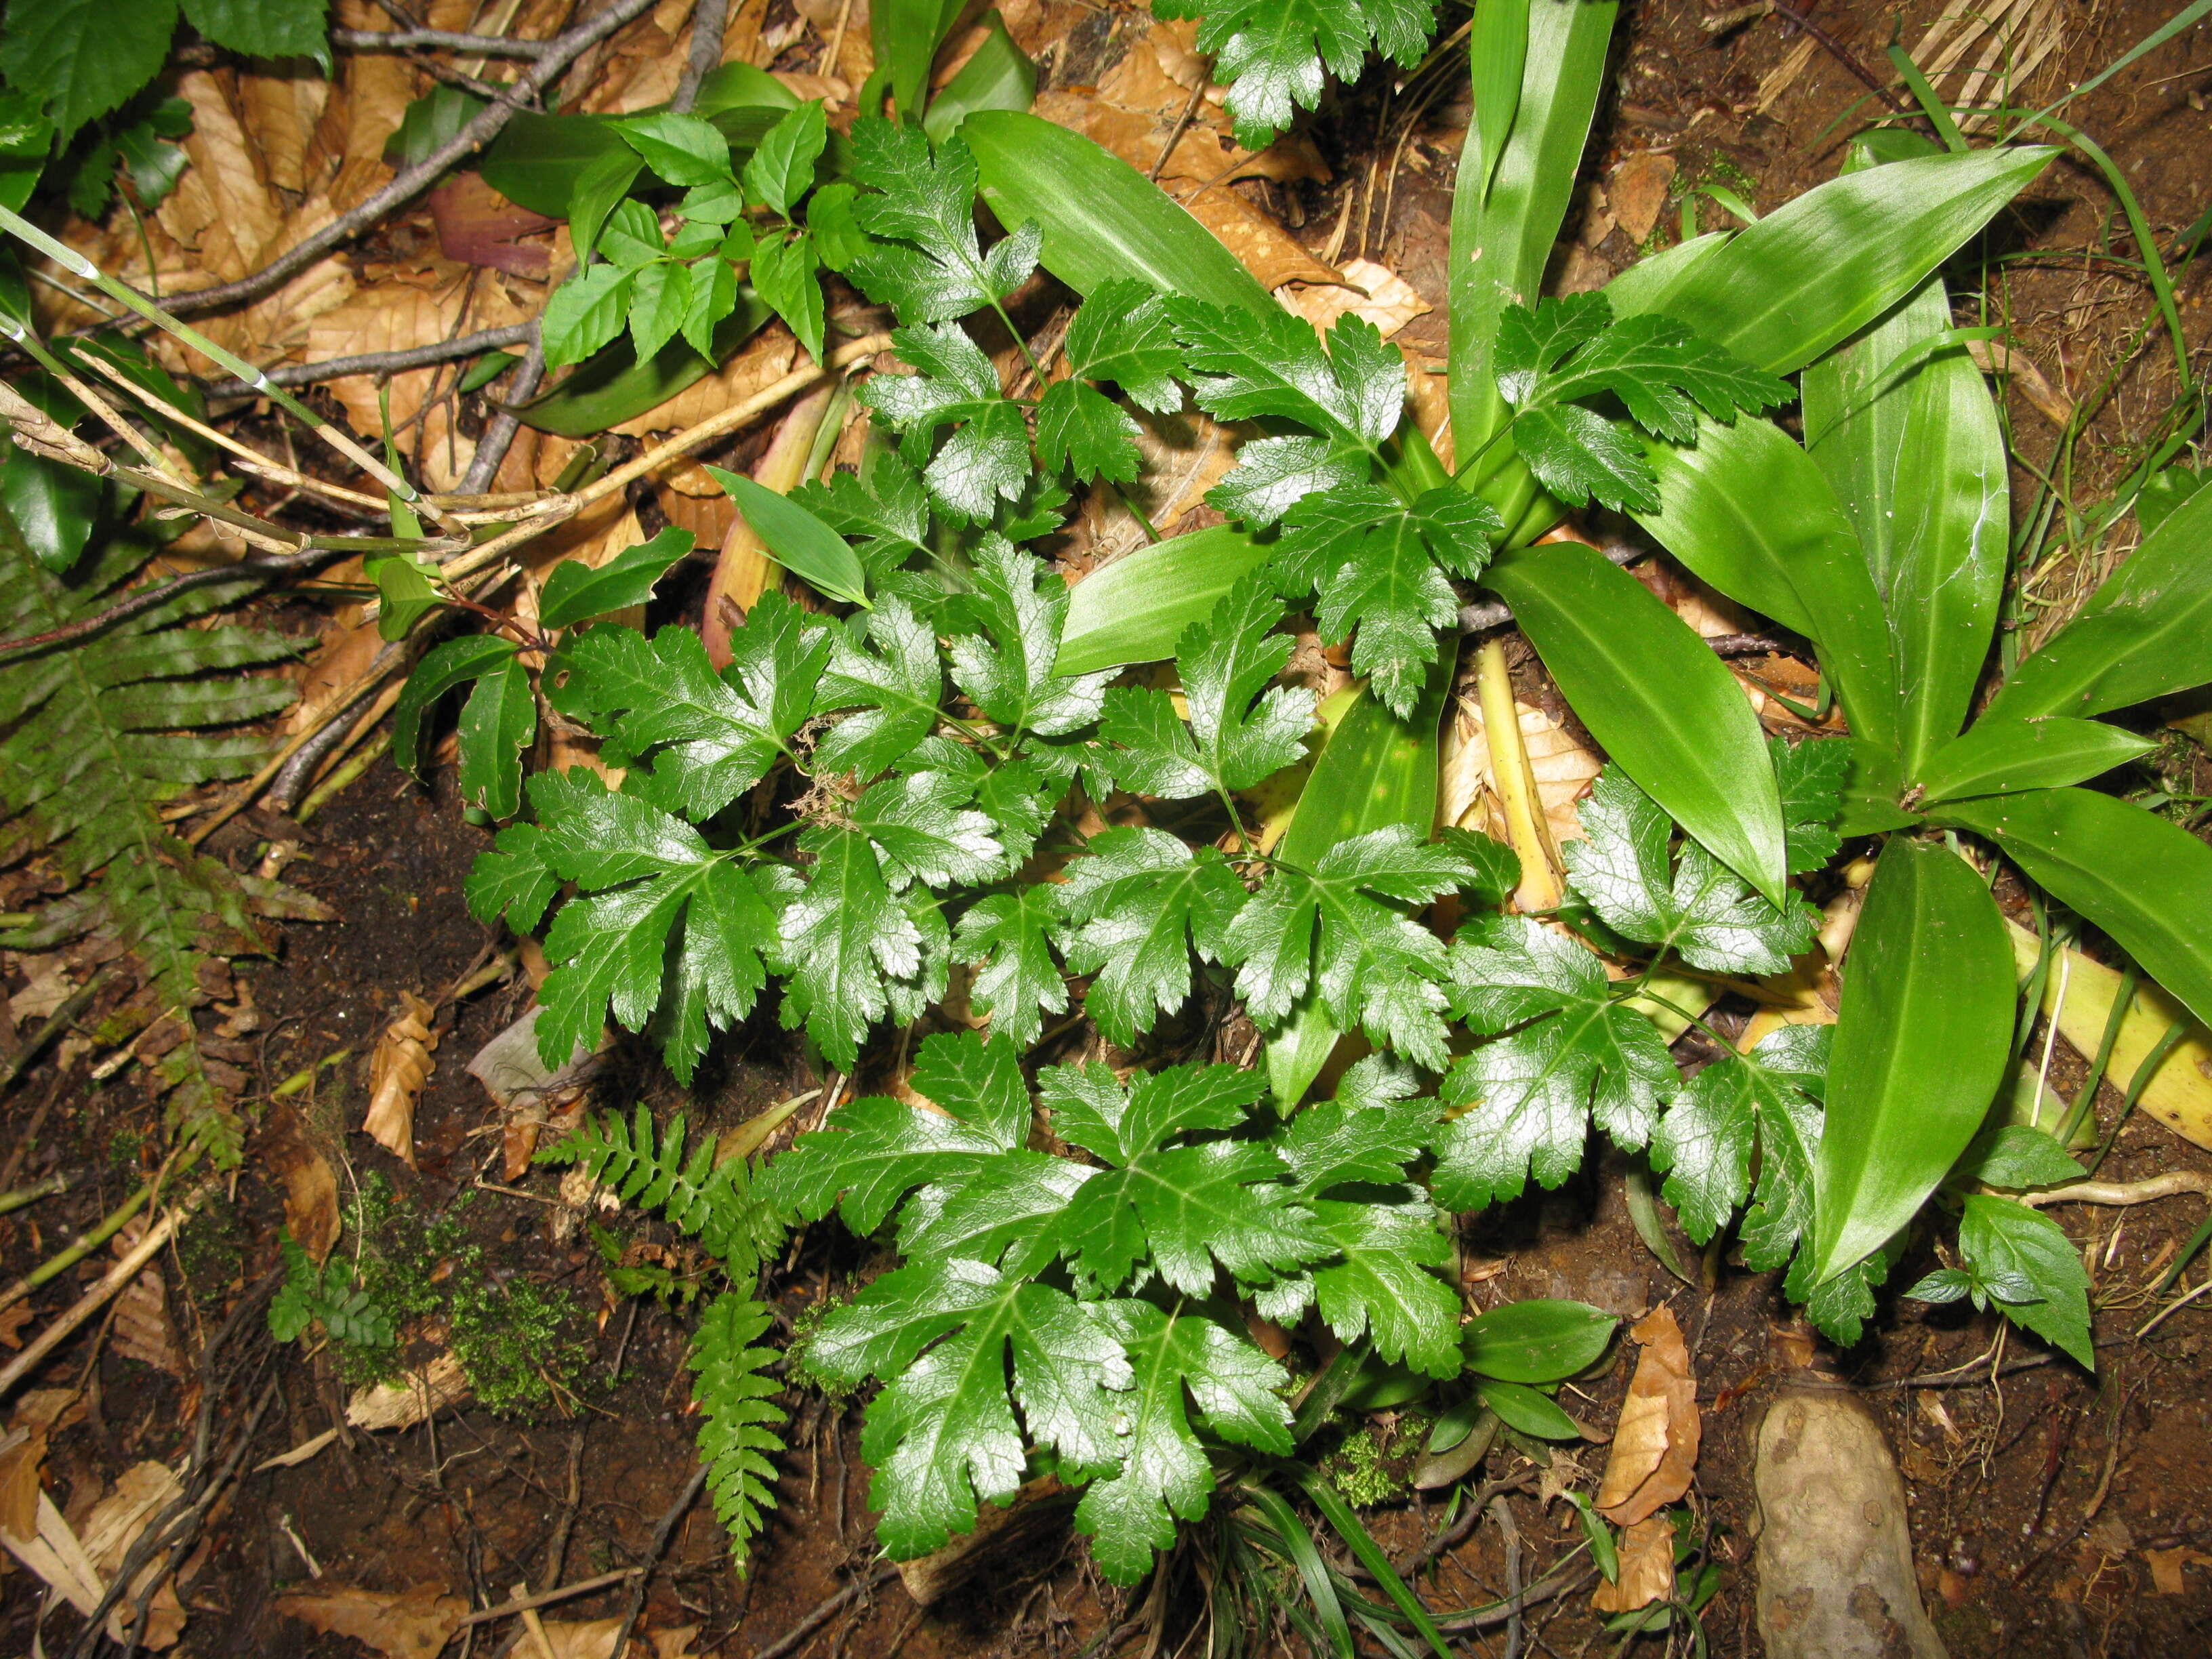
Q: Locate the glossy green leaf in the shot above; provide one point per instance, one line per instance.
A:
(1747, 510)
(406, 592)
(2146, 632)
(537, 160)
(1102, 217)
(801, 543)
(575, 592)
(684, 150)
(497, 723)
(446, 665)
(2146, 882)
(1499, 54)
(741, 86)
(2031, 1269)
(1819, 268)
(2002, 756)
(906, 35)
(53, 507)
(1520, 1407)
(999, 75)
(1920, 1046)
(1377, 770)
(1661, 704)
(1501, 239)
(614, 387)
(782, 169)
(2166, 491)
(1537, 1340)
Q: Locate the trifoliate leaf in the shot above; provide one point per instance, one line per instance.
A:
(987, 458)
(943, 1432)
(1249, 365)
(1700, 908)
(1767, 1099)
(1272, 53)
(1811, 776)
(1004, 653)
(1231, 743)
(1341, 928)
(871, 1153)
(1570, 348)
(924, 830)
(1561, 1050)
(1185, 1208)
(641, 872)
(1178, 1360)
(2032, 1269)
(927, 263)
(844, 938)
(894, 689)
(1135, 909)
(700, 739)
(1007, 937)
(1380, 1283)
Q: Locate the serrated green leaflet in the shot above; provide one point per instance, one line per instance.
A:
(1006, 937)
(1134, 910)
(1768, 1100)
(2032, 1269)
(1007, 663)
(985, 457)
(924, 261)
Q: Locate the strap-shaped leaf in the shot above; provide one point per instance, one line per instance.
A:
(2000, 757)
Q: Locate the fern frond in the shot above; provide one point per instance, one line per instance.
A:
(716, 1201)
(100, 732)
(736, 1421)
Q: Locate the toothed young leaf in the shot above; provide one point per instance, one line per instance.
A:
(1368, 1134)
(2031, 1269)
(871, 1153)
(697, 739)
(1177, 1360)
(1383, 1282)
(1811, 775)
(1272, 53)
(1250, 365)
(648, 883)
(1699, 908)
(1767, 1099)
(918, 206)
(1274, 475)
(1081, 428)
(884, 511)
(1122, 334)
(1183, 1208)
(1231, 742)
(1134, 909)
(944, 1431)
(986, 458)
(1007, 938)
(924, 831)
(894, 690)
(845, 938)
(1341, 928)
(1561, 1051)
(1003, 656)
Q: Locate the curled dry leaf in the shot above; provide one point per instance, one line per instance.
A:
(21, 1467)
(1647, 1568)
(143, 1330)
(416, 1397)
(399, 1068)
(1367, 290)
(13, 1318)
(76, 1563)
(529, 1094)
(414, 1624)
(1654, 1446)
(1638, 190)
(311, 1189)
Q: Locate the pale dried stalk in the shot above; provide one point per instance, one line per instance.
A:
(98, 1296)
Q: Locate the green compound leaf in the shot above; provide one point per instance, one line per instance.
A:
(2031, 1269)
(1272, 53)
(585, 313)
(1246, 365)
(1121, 334)
(1700, 908)
(1133, 910)
(927, 263)
(1561, 1050)
(733, 1390)
(924, 830)
(1231, 742)
(684, 150)
(700, 738)
(1368, 1134)
(1340, 928)
(787, 273)
(715, 1200)
(872, 1153)
(1003, 657)
(885, 511)
(987, 457)
(1006, 937)
(1388, 1281)
(893, 689)
(944, 1432)
(1809, 776)
(1767, 1099)
(1177, 1360)
(850, 943)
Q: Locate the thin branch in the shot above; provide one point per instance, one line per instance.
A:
(558, 54)
(709, 21)
(498, 432)
(484, 46)
(97, 1297)
(1843, 54)
(383, 362)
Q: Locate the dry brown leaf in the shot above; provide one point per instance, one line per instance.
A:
(526, 1090)
(1369, 290)
(222, 207)
(1563, 768)
(13, 1318)
(50, 1409)
(397, 1073)
(139, 1494)
(1654, 1446)
(1638, 191)
(21, 1466)
(143, 1330)
(311, 1190)
(2166, 1565)
(378, 88)
(417, 1396)
(1995, 357)
(413, 1625)
(766, 359)
(279, 113)
(1647, 1568)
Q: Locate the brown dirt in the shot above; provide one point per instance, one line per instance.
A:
(2036, 1490)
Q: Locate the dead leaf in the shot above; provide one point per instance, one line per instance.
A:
(222, 207)
(13, 1318)
(1647, 1568)
(311, 1190)
(1638, 191)
(1995, 357)
(140, 1492)
(525, 1089)
(417, 1396)
(143, 1330)
(21, 1466)
(50, 1409)
(2166, 1565)
(415, 1624)
(765, 360)
(1562, 767)
(1654, 1446)
(478, 226)
(400, 1068)
(1372, 292)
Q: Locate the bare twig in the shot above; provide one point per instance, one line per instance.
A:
(498, 432)
(824, 1611)
(2169, 1185)
(1843, 54)
(547, 1598)
(383, 362)
(1502, 1513)
(708, 19)
(553, 59)
(97, 1297)
(659, 1547)
(485, 46)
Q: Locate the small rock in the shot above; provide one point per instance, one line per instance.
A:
(1638, 191)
